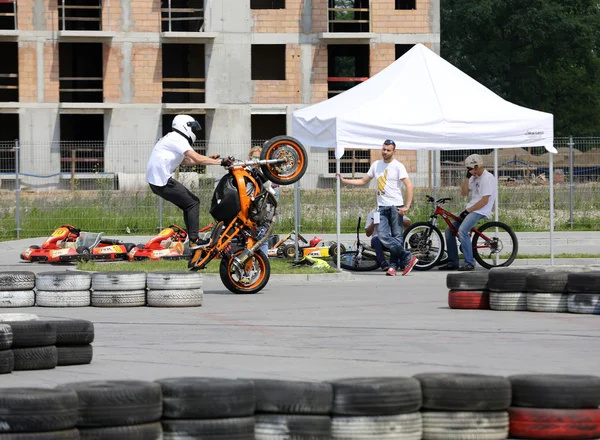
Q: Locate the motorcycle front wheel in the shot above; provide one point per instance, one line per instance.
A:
(292, 152)
(253, 278)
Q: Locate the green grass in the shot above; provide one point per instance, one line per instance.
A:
(278, 266)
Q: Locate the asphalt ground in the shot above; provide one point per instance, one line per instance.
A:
(316, 327)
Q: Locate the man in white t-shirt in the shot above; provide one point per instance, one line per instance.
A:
(390, 175)
(483, 188)
(371, 231)
(173, 150)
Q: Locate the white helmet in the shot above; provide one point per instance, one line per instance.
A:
(472, 160)
(186, 126)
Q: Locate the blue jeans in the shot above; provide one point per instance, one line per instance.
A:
(260, 233)
(379, 255)
(463, 236)
(389, 231)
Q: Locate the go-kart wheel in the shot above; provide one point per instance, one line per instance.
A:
(333, 249)
(280, 251)
(290, 251)
(292, 152)
(84, 253)
(34, 246)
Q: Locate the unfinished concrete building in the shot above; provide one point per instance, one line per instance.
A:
(98, 81)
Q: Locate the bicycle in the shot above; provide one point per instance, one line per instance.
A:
(362, 258)
(426, 241)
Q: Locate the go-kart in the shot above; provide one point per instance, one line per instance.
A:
(68, 243)
(169, 244)
(276, 250)
(314, 248)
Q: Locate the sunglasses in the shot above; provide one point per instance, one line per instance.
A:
(389, 142)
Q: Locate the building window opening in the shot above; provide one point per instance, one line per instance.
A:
(401, 49)
(265, 127)
(80, 15)
(81, 143)
(354, 162)
(267, 4)
(8, 15)
(183, 73)
(348, 16)
(348, 65)
(9, 72)
(9, 132)
(182, 15)
(268, 61)
(406, 4)
(80, 72)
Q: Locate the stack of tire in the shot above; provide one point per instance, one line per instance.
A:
(547, 288)
(464, 406)
(508, 288)
(16, 289)
(63, 289)
(7, 359)
(376, 408)
(119, 289)
(174, 289)
(468, 290)
(74, 339)
(34, 345)
(38, 413)
(584, 293)
(210, 408)
(555, 407)
(290, 409)
(118, 410)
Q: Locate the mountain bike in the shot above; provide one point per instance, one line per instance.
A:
(494, 243)
(242, 201)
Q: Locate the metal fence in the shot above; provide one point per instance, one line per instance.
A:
(100, 186)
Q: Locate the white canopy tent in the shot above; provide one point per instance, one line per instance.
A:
(423, 102)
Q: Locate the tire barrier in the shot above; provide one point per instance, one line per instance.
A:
(429, 406)
(44, 344)
(554, 289)
(101, 289)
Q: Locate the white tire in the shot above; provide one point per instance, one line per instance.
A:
(7, 317)
(465, 425)
(69, 298)
(508, 301)
(547, 302)
(175, 298)
(587, 303)
(17, 298)
(115, 298)
(397, 427)
(119, 281)
(174, 280)
(61, 281)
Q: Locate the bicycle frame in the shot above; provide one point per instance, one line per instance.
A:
(449, 217)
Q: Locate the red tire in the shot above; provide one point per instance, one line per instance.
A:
(476, 299)
(543, 423)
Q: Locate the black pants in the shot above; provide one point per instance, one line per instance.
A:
(184, 199)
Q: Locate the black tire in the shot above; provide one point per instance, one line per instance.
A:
(289, 251)
(117, 402)
(257, 266)
(555, 391)
(425, 242)
(349, 260)
(464, 392)
(74, 354)
(333, 250)
(509, 279)
(376, 396)
(84, 253)
(238, 428)
(33, 333)
(17, 280)
(148, 431)
(502, 243)
(67, 434)
(549, 280)
(587, 282)
(467, 281)
(74, 332)
(38, 409)
(294, 153)
(35, 358)
(292, 397)
(6, 336)
(206, 398)
(7, 362)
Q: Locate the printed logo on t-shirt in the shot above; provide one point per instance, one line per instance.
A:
(381, 181)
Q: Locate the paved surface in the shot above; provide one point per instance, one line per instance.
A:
(318, 328)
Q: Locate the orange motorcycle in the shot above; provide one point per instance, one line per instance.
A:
(243, 203)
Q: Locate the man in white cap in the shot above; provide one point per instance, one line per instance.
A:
(482, 185)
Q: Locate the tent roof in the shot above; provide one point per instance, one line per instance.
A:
(422, 102)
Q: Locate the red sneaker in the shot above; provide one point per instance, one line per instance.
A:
(391, 272)
(410, 266)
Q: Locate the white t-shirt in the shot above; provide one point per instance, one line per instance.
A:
(484, 185)
(370, 222)
(389, 182)
(165, 158)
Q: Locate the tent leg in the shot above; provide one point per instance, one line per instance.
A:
(338, 210)
(551, 209)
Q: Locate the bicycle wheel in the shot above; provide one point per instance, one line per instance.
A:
(350, 260)
(494, 245)
(426, 243)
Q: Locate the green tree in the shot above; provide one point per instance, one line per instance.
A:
(541, 54)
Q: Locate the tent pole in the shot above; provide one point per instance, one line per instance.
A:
(338, 209)
(496, 176)
(434, 174)
(551, 209)
(297, 218)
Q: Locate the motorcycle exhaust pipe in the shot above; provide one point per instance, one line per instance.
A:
(240, 260)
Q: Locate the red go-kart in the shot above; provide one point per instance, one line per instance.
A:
(169, 244)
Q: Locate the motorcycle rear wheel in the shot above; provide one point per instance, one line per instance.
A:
(257, 271)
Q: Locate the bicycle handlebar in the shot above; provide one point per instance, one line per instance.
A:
(438, 201)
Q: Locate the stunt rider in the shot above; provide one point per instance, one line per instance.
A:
(171, 151)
